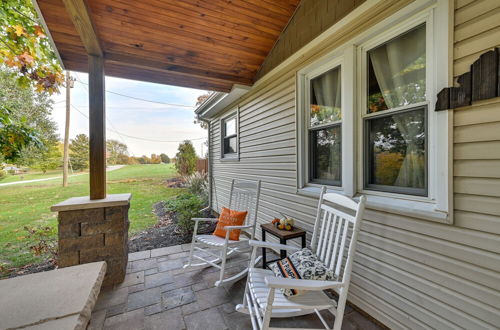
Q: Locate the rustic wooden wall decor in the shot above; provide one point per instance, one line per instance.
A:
(480, 83)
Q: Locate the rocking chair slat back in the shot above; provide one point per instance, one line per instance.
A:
(244, 196)
(334, 231)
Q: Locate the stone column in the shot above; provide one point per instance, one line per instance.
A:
(95, 230)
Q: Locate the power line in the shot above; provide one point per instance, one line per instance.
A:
(136, 137)
(145, 100)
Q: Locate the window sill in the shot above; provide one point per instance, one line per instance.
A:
(230, 159)
(413, 208)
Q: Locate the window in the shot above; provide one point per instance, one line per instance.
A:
(365, 115)
(229, 137)
(325, 128)
(395, 119)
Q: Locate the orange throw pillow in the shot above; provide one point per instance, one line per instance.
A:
(230, 218)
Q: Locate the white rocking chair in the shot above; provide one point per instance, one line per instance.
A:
(263, 298)
(244, 196)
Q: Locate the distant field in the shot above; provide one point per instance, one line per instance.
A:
(28, 204)
(31, 175)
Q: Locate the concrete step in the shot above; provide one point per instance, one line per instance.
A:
(58, 299)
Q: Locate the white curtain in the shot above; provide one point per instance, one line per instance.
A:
(327, 92)
(326, 88)
(399, 67)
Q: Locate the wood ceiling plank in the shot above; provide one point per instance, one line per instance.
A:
(162, 35)
(259, 16)
(79, 14)
(199, 17)
(206, 44)
(224, 17)
(187, 58)
(133, 23)
(168, 28)
(178, 15)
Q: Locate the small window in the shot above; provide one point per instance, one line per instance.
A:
(325, 121)
(396, 116)
(229, 137)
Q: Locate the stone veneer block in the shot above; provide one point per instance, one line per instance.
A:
(95, 230)
(57, 299)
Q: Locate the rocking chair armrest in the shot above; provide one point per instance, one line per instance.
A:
(229, 228)
(205, 209)
(308, 285)
(205, 219)
(273, 246)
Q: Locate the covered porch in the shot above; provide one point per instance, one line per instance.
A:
(158, 293)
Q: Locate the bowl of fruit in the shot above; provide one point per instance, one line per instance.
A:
(285, 223)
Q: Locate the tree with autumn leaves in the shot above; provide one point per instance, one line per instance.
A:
(25, 48)
(26, 55)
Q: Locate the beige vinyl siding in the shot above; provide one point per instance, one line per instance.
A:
(408, 273)
(477, 30)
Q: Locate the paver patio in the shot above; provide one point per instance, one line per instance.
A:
(159, 294)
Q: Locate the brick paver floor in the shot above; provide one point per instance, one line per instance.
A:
(159, 294)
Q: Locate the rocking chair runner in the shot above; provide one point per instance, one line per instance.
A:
(244, 196)
(263, 298)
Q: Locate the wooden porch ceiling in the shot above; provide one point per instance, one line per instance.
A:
(205, 44)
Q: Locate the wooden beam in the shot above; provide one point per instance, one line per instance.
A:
(174, 69)
(97, 128)
(80, 15)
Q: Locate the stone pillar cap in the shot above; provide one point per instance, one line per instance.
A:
(84, 202)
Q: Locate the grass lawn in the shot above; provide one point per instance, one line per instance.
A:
(28, 204)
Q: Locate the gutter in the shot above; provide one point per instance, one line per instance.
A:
(218, 101)
(209, 161)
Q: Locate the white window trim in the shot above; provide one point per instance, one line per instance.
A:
(236, 156)
(303, 119)
(437, 206)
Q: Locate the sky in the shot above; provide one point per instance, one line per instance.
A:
(141, 125)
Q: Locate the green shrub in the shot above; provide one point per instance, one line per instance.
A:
(197, 184)
(185, 159)
(186, 206)
(2, 174)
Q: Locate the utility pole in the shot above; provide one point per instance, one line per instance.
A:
(69, 85)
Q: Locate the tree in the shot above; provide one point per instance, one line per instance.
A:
(25, 48)
(50, 159)
(79, 152)
(186, 158)
(144, 160)
(32, 109)
(199, 100)
(14, 136)
(117, 152)
(155, 159)
(164, 158)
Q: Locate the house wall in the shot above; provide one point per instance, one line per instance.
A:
(408, 273)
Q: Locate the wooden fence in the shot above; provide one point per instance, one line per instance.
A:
(202, 165)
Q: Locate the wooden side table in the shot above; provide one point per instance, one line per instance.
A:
(283, 235)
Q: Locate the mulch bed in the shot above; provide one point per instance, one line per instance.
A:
(31, 269)
(164, 233)
(175, 183)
